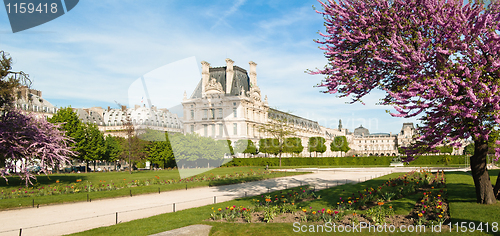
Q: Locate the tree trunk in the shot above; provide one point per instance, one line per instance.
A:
(280, 159)
(482, 182)
(129, 162)
(86, 166)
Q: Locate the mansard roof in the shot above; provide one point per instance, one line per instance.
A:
(361, 131)
(240, 80)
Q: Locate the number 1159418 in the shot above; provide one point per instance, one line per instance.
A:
(31, 8)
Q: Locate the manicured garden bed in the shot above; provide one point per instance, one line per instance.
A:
(461, 201)
(59, 188)
(372, 205)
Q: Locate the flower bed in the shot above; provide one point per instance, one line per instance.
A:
(372, 204)
(58, 188)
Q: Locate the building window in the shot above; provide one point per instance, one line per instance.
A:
(212, 114)
(205, 114)
(220, 113)
(192, 128)
(192, 114)
(205, 131)
(221, 129)
(235, 129)
(235, 114)
(213, 130)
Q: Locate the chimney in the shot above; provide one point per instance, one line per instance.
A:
(124, 108)
(137, 106)
(109, 108)
(205, 74)
(253, 73)
(229, 75)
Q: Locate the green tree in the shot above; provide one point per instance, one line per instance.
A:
(340, 144)
(229, 145)
(269, 146)
(316, 144)
(90, 146)
(245, 146)
(160, 153)
(193, 150)
(469, 149)
(158, 148)
(293, 146)
(113, 148)
(279, 128)
(70, 123)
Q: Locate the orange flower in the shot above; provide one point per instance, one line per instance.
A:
(380, 203)
(293, 203)
(268, 200)
(57, 181)
(420, 214)
(440, 216)
(390, 207)
(304, 210)
(314, 213)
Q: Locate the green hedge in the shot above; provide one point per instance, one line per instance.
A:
(344, 161)
(438, 160)
(306, 161)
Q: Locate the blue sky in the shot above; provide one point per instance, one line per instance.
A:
(91, 55)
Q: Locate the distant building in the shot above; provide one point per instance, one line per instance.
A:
(378, 144)
(112, 121)
(31, 100)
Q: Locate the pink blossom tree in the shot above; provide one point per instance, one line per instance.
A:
(26, 140)
(439, 59)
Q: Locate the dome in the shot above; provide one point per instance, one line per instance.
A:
(361, 131)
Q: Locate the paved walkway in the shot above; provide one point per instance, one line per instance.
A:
(75, 217)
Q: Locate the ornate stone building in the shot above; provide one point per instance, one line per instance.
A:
(379, 144)
(228, 104)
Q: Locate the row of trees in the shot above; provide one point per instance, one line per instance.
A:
(291, 146)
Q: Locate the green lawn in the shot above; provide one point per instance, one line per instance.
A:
(46, 181)
(461, 199)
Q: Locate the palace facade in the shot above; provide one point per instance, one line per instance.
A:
(226, 104)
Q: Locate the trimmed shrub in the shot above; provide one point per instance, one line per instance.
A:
(345, 161)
